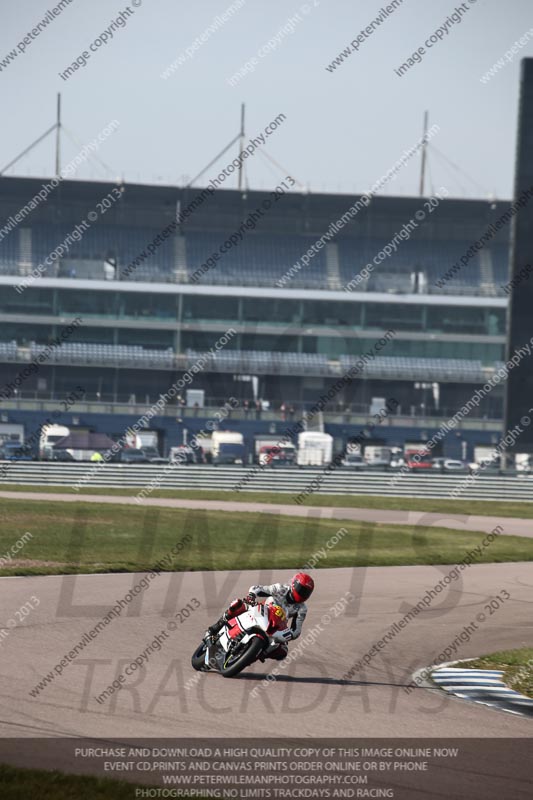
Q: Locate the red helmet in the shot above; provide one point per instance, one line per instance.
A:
(302, 586)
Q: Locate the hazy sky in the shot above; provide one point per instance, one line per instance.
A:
(344, 129)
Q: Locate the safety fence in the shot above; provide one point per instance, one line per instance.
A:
(249, 478)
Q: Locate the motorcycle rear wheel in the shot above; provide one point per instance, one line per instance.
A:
(254, 648)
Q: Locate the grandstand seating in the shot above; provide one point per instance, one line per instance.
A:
(18, 255)
(453, 370)
(427, 369)
(258, 260)
(99, 241)
(264, 361)
(8, 351)
(9, 255)
(432, 259)
(106, 354)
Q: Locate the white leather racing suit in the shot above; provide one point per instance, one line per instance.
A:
(296, 612)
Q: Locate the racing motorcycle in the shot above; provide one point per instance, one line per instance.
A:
(244, 639)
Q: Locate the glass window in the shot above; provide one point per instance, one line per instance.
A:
(477, 351)
(259, 309)
(284, 344)
(197, 340)
(92, 335)
(319, 312)
(456, 319)
(31, 301)
(198, 307)
(24, 333)
(149, 306)
(146, 338)
(333, 346)
(398, 316)
(496, 321)
(86, 303)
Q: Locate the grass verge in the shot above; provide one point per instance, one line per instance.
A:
(19, 784)
(86, 537)
(494, 508)
(517, 666)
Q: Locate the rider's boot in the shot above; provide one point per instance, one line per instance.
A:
(236, 607)
(215, 628)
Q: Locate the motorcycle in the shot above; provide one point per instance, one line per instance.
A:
(244, 639)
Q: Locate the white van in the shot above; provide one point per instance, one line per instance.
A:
(314, 449)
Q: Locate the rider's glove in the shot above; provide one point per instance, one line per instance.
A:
(250, 599)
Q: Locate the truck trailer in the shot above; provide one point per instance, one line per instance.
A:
(314, 449)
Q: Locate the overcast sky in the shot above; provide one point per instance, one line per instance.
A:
(344, 129)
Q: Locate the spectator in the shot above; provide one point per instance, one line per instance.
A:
(246, 406)
(258, 408)
(110, 268)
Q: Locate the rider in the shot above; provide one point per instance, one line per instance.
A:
(290, 596)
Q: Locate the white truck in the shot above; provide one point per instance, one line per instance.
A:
(485, 459)
(314, 449)
(182, 454)
(50, 434)
(523, 463)
(378, 457)
(11, 432)
(227, 447)
(147, 441)
(141, 439)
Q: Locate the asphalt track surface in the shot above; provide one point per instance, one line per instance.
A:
(310, 698)
(511, 526)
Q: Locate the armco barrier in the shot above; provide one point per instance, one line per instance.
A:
(290, 481)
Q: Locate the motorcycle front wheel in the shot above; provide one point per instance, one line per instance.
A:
(233, 665)
(198, 657)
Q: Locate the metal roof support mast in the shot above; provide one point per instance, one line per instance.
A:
(240, 138)
(58, 136)
(424, 154)
(241, 146)
(55, 127)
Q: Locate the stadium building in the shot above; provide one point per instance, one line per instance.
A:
(301, 286)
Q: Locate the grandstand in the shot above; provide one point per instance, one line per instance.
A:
(146, 319)
(264, 254)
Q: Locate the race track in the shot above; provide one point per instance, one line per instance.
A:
(310, 699)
